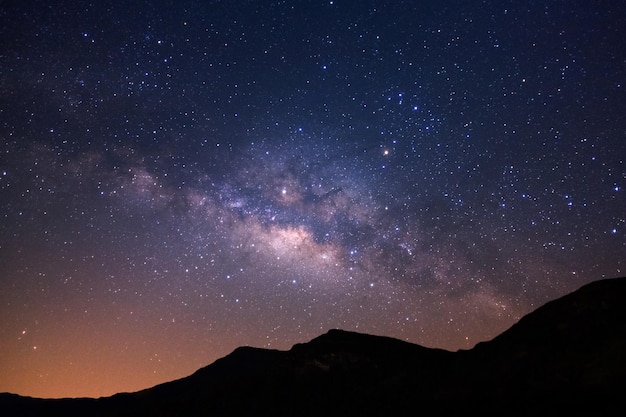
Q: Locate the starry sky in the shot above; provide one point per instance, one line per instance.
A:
(179, 178)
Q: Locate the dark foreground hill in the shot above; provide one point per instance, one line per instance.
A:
(566, 358)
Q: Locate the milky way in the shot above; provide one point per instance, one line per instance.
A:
(177, 180)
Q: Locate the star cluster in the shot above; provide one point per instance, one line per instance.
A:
(179, 179)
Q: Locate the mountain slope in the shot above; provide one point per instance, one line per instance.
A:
(569, 353)
(565, 357)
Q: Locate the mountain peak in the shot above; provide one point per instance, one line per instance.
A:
(344, 336)
(564, 358)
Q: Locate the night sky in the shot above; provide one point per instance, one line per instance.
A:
(179, 178)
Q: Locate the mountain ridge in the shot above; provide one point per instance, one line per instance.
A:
(565, 356)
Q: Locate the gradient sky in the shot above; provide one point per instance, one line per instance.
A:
(179, 178)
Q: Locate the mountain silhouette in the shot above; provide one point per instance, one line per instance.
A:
(568, 357)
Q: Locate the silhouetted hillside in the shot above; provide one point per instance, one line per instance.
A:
(565, 358)
(569, 353)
